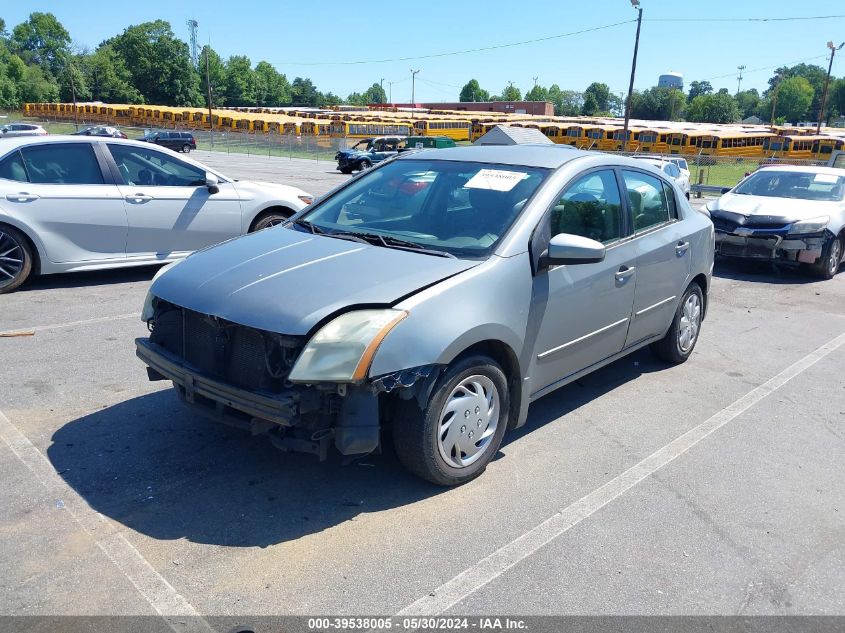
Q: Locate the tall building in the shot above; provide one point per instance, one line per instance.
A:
(671, 80)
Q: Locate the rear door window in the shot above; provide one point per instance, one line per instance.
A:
(647, 199)
(62, 164)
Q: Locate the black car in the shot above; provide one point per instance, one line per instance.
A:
(177, 141)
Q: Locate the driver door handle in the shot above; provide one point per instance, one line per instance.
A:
(624, 273)
(23, 196)
(138, 197)
(681, 248)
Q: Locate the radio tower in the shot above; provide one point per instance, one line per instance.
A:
(192, 25)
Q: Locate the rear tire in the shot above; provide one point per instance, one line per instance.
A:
(682, 336)
(186, 149)
(272, 218)
(831, 258)
(15, 258)
(452, 439)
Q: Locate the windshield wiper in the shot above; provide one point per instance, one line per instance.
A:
(308, 225)
(389, 241)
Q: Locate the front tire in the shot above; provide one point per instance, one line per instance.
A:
(15, 259)
(272, 218)
(364, 164)
(828, 265)
(682, 336)
(452, 439)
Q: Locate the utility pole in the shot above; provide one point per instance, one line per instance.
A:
(381, 85)
(208, 89)
(390, 87)
(192, 43)
(739, 79)
(413, 86)
(833, 50)
(636, 5)
(535, 81)
(73, 94)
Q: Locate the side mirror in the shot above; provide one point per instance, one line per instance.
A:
(211, 182)
(574, 249)
(726, 190)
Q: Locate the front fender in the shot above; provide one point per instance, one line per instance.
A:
(489, 302)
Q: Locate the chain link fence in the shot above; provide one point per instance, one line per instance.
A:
(228, 141)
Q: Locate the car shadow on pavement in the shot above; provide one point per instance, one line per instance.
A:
(160, 470)
(155, 467)
(762, 272)
(91, 278)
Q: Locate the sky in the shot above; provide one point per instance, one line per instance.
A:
(308, 40)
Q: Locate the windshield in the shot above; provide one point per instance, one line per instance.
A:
(793, 184)
(460, 208)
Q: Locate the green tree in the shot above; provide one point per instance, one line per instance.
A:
(601, 95)
(698, 88)
(473, 92)
(658, 104)
(159, 64)
(240, 81)
(713, 108)
(566, 102)
(212, 71)
(537, 93)
(273, 86)
(108, 78)
(73, 81)
(328, 99)
(42, 40)
(511, 93)
(795, 97)
(748, 102)
(836, 99)
(591, 105)
(815, 76)
(375, 94)
(304, 93)
(37, 86)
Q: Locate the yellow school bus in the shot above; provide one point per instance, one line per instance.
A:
(824, 146)
(653, 140)
(599, 137)
(748, 144)
(359, 129)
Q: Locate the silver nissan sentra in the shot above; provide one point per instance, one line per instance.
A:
(439, 294)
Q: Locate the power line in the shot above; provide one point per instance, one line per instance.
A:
(754, 70)
(790, 19)
(461, 52)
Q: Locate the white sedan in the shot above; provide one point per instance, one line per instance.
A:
(671, 169)
(77, 203)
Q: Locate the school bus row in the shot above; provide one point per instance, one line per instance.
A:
(760, 142)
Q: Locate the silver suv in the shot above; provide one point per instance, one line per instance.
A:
(439, 293)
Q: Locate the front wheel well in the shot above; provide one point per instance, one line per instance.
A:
(36, 256)
(279, 209)
(701, 280)
(509, 362)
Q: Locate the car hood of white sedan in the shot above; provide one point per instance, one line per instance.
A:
(791, 209)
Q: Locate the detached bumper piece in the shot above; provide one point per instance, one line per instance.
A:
(778, 248)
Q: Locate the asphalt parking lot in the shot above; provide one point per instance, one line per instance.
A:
(714, 487)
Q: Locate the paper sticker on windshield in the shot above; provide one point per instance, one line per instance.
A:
(827, 179)
(495, 179)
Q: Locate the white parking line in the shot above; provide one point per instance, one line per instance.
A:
(488, 569)
(160, 594)
(56, 326)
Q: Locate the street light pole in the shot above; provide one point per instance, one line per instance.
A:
(833, 50)
(636, 5)
(739, 79)
(413, 88)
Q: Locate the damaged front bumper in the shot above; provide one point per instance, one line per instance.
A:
(761, 244)
(301, 418)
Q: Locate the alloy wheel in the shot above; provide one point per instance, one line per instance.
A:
(468, 421)
(835, 256)
(11, 259)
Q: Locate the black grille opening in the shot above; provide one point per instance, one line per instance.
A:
(238, 355)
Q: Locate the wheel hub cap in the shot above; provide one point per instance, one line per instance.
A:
(468, 421)
(11, 258)
(690, 323)
(835, 256)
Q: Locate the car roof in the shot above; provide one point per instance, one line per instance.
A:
(527, 155)
(7, 144)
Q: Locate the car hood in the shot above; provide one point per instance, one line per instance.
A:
(790, 209)
(285, 281)
(251, 189)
